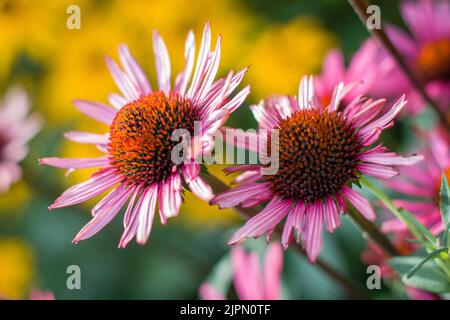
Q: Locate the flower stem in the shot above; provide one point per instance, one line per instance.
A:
(352, 290)
(360, 7)
(374, 233)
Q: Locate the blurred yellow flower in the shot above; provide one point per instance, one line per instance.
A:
(283, 53)
(17, 196)
(16, 268)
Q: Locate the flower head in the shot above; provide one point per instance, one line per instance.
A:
(137, 164)
(16, 129)
(323, 150)
(252, 280)
(426, 51)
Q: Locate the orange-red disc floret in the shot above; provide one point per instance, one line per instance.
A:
(318, 153)
(140, 138)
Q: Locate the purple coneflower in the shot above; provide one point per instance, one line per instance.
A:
(426, 51)
(16, 129)
(137, 164)
(323, 150)
(252, 280)
(422, 181)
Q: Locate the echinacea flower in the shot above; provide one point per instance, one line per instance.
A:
(252, 279)
(422, 181)
(137, 165)
(16, 129)
(426, 51)
(322, 151)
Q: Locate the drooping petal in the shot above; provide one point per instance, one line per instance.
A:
(110, 206)
(263, 222)
(146, 214)
(359, 202)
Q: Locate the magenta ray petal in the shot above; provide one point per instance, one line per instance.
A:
(204, 51)
(134, 70)
(263, 222)
(239, 194)
(95, 110)
(162, 61)
(359, 202)
(75, 163)
(87, 137)
(273, 267)
(99, 183)
(377, 171)
(390, 158)
(331, 212)
(146, 214)
(107, 210)
(195, 183)
(169, 198)
(313, 231)
(123, 82)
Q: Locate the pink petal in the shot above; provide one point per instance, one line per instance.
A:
(134, 70)
(377, 171)
(123, 82)
(99, 183)
(273, 269)
(107, 209)
(264, 221)
(162, 62)
(313, 231)
(195, 183)
(331, 212)
(239, 194)
(146, 214)
(95, 110)
(87, 137)
(201, 61)
(75, 163)
(359, 202)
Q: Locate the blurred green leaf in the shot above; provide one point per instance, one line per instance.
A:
(428, 277)
(221, 275)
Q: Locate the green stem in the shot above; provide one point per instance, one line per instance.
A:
(374, 233)
(353, 291)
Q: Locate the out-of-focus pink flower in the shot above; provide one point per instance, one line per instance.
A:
(41, 295)
(16, 129)
(423, 182)
(426, 50)
(365, 68)
(252, 280)
(137, 164)
(323, 150)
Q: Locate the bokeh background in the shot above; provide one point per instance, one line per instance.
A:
(280, 40)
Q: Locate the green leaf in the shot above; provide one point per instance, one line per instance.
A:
(444, 203)
(423, 231)
(432, 255)
(428, 277)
